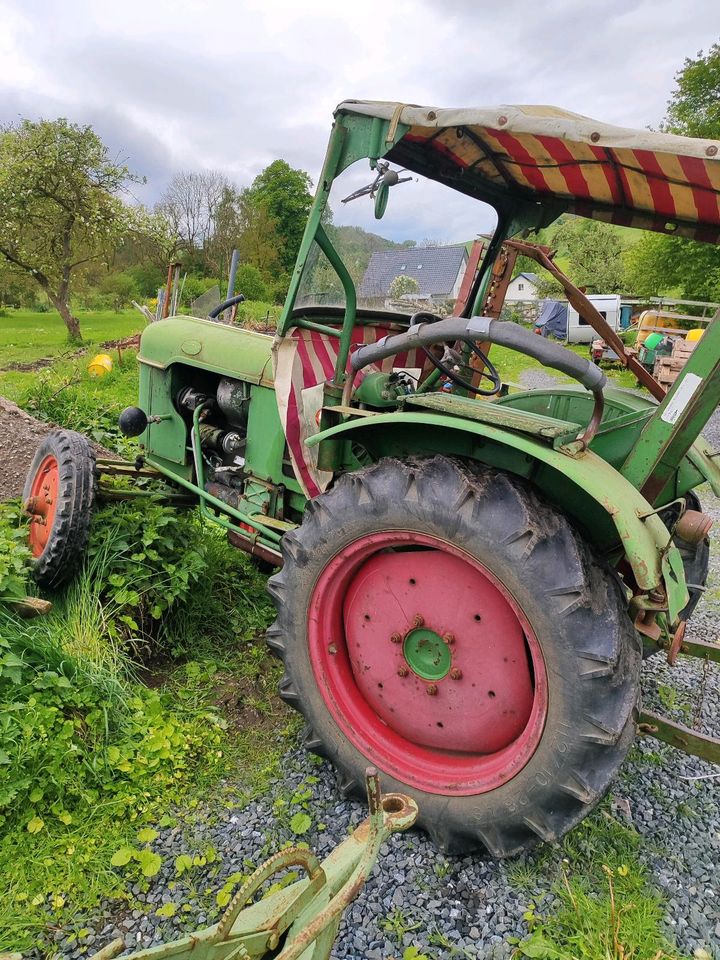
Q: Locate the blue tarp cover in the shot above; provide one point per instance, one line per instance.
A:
(553, 319)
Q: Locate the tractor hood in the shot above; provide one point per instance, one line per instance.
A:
(229, 351)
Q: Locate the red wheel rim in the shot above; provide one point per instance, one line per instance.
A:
(42, 504)
(427, 663)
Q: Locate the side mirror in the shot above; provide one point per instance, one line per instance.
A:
(381, 199)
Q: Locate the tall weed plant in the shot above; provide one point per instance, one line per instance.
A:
(86, 751)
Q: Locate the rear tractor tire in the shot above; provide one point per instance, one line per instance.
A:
(59, 494)
(442, 622)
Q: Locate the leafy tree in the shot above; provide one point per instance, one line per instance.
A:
(660, 264)
(241, 222)
(693, 109)
(60, 205)
(258, 240)
(250, 283)
(147, 278)
(284, 194)
(121, 288)
(403, 284)
(226, 230)
(595, 252)
(17, 289)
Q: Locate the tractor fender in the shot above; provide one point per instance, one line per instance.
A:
(640, 532)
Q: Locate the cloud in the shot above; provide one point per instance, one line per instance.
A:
(233, 84)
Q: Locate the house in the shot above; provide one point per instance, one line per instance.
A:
(522, 287)
(438, 271)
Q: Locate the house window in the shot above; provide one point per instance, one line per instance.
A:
(521, 286)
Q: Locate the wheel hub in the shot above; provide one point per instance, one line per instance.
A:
(427, 654)
(42, 504)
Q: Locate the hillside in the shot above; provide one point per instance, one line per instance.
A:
(356, 246)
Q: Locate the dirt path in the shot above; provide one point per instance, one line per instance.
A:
(19, 436)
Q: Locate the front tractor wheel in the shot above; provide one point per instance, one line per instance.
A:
(443, 623)
(58, 496)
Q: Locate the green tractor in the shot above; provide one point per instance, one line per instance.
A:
(466, 577)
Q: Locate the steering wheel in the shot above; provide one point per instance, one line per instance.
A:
(459, 366)
(451, 372)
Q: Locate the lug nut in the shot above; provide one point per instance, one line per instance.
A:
(418, 620)
(449, 638)
(396, 638)
(403, 671)
(456, 674)
(431, 689)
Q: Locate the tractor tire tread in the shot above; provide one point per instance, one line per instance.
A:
(585, 605)
(70, 531)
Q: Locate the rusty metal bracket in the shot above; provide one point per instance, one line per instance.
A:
(589, 314)
(679, 736)
(701, 649)
(678, 643)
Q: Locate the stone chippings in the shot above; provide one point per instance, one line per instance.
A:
(470, 902)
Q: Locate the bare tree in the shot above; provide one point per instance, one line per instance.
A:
(189, 206)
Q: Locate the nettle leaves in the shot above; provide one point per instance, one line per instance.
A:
(14, 558)
(157, 557)
(147, 860)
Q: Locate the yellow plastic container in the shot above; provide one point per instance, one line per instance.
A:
(694, 335)
(100, 365)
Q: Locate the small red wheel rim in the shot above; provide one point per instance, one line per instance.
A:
(427, 663)
(42, 504)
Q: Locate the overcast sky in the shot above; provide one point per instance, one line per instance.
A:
(233, 84)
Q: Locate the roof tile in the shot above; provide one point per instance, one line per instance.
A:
(434, 268)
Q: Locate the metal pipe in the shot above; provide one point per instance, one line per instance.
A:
(220, 504)
(323, 241)
(329, 170)
(318, 327)
(205, 497)
(234, 260)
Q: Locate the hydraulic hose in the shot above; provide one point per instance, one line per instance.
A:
(503, 333)
(224, 305)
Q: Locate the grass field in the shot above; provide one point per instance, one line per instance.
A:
(26, 335)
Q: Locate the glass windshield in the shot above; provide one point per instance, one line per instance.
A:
(414, 258)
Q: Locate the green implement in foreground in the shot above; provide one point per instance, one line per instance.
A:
(467, 577)
(302, 919)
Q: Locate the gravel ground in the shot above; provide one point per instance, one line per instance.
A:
(19, 436)
(471, 902)
(537, 379)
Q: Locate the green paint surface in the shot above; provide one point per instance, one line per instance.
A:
(427, 654)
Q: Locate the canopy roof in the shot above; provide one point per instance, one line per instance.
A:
(631, 177)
